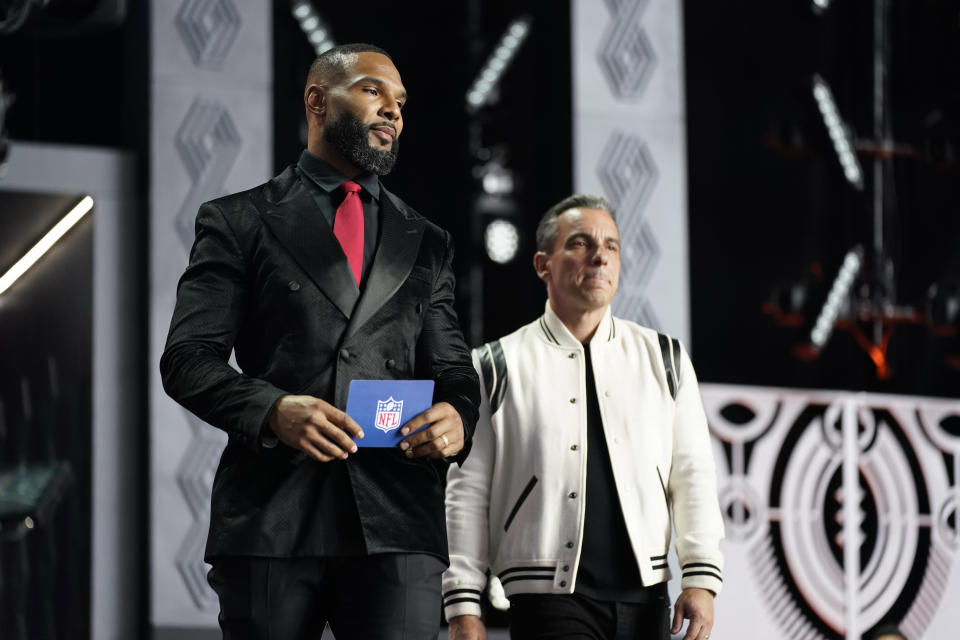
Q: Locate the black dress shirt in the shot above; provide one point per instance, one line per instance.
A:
(323, 182)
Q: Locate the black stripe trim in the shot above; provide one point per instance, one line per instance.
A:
(459, 600)
(519, 503)
(661, 566)
(701, 564)
(456, 591)
(676, 359)
(546, 330)
(687, 574)
(512, 578)
(515, 569)
(493, 367)
(663, 557)
(666, 352)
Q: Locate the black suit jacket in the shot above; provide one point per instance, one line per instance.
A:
(268, 279)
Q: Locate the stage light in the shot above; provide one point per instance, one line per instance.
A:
(482, 90)
(318, 34)
(501, 240)
(497, 180)
(836, 298)
(46, 242)
(838, 132)
(819, 6)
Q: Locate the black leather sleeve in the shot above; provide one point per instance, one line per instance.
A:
(212, 297)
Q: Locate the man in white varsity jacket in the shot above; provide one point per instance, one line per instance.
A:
(591, 434)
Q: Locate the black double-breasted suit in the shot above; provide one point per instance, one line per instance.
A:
(268, 279)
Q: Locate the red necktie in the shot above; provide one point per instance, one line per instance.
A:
(348, 227)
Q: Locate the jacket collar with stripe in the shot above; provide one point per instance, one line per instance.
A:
(555, 332)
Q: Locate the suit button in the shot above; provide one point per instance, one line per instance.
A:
(566, 567)
(563, 583)
(573, 494)
(570, 545)
(390, 364)
(573, 401)
(344, 354)
(573, 447)
(572, 355)
(293, 285)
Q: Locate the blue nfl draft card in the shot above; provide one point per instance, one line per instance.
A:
(381, 407)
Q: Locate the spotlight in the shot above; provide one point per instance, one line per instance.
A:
(836, 298)
(318, 34)
(486, 82)
(943, 308)
(819, 6)
(838, 132)
(501, 240)
(497, 180)
(46, 242)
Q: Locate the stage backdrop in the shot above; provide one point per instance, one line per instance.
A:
(841, 512)
(211, 125)
(630, 146)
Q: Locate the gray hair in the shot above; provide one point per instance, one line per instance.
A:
(547, 229)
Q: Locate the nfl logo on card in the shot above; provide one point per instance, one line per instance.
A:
(388, 414)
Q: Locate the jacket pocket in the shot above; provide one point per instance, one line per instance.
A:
(523, 496)
(666, 496)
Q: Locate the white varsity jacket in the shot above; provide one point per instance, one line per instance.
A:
(516, 506)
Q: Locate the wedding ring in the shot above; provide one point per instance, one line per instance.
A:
(446, 442)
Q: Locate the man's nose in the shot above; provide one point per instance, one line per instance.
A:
(389, 110)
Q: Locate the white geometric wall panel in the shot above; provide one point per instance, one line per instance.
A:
(211, 125)
(629, 146)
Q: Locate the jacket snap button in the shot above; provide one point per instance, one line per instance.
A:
(569, 545)
(563, 583)
(573, 494)
(573, 447)
(293, 285)
(572, 355)
(566, 567)
(573, 400)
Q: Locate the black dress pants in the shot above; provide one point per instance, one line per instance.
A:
(378, 597)
(577, 617)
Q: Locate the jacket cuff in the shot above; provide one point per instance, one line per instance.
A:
(464, 407)
(702, 575)
(461, 609)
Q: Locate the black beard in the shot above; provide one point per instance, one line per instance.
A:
(351, 139)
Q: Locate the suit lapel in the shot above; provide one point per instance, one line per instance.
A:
(400, 236)
(297, 224)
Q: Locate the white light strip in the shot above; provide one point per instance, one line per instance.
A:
(489, 77)
(313, 27)
(838, 133)
(838, 292)
(46, 242)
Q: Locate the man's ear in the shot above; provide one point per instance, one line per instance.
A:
(540, 259)
(315, 99)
